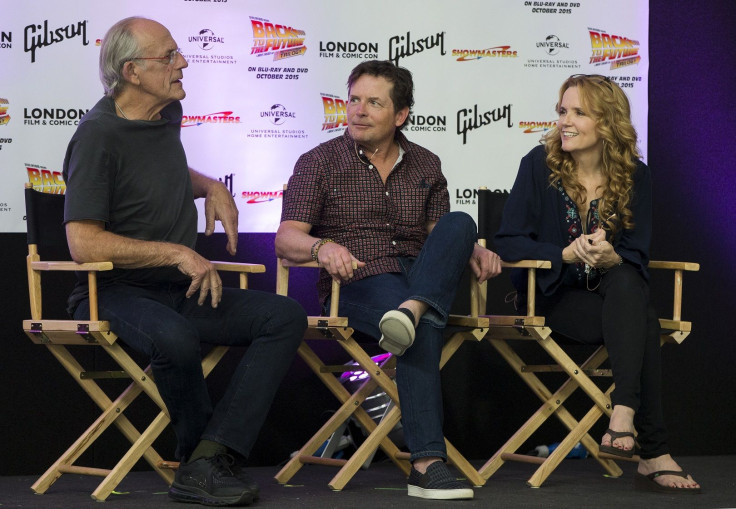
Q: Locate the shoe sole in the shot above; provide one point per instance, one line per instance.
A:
(430, 494)
(397, 332)
(194, 496)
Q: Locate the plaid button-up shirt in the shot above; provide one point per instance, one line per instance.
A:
(343, 199)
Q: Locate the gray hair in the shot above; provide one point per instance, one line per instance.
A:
(118, 47)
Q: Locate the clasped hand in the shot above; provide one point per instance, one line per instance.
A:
(593, 250)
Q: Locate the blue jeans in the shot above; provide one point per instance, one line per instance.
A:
(431, 277)
(163, 324)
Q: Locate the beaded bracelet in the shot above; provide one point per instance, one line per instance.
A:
(316, 247)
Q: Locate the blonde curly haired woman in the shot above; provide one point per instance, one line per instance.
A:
(582, 199)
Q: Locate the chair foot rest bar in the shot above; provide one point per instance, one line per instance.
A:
(317, 460)
(71, 469)
(523, 458)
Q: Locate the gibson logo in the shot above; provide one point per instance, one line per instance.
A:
(400, 46)
(47, 37)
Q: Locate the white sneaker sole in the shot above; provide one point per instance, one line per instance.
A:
(429, 494)
(397, 332)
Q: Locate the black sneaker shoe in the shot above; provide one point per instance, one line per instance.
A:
(238, 470)
(437, 483)
(210, 481)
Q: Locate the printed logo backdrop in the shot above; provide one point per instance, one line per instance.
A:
(266, 82)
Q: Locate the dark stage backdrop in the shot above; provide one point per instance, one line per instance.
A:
(691, 124)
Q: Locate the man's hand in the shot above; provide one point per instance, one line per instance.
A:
(220, 206)
(204, 277)
(337, 261)
(485, 263)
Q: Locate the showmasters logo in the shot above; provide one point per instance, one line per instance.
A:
(537, 126)
(281, 41)
(617, 50)
(467, 55)
(220, 117)
(44, 180)
(336, 113)
(252, 197)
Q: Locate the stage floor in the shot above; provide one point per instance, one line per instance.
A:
(575, 484)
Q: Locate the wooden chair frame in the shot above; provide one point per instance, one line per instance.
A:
(503, 330)
(336, 328)
(59, 335)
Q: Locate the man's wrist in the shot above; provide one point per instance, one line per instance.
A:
(317, 246)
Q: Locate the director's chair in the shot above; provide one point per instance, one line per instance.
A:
(45, 229)
(505, 331)
(336, 328)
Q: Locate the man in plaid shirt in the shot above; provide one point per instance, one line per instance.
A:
(373, 199)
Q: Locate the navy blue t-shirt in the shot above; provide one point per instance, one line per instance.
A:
(133, 176)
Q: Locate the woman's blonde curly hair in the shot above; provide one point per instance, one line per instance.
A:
(607, 104)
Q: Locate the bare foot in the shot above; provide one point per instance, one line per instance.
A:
(666, 462)
(622, 419)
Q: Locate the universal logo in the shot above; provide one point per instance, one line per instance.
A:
(206, 39)
(40, 36)
(6, 40)
(342, 49)
(551, 45)
(277, 114)
(402, 46)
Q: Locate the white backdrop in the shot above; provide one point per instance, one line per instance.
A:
(266, 82)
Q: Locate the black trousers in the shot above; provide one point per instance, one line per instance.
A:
(618, 314)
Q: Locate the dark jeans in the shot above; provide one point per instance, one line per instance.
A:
(166, 326)
(432, 277)
(618, 313)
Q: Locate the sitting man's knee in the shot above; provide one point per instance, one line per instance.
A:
(461, 222)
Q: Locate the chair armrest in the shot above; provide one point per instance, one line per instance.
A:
(689, 266)
(528, 264)
(251, 268)
(71, 266)
(478, 292)
(242, 268)
(282, 280)
(678, 267)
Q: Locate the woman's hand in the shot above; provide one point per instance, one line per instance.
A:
(593, 250)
